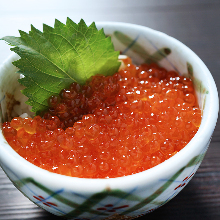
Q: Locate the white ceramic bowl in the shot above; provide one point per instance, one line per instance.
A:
(133, 195)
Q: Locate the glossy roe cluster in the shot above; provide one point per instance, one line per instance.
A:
(112, 126)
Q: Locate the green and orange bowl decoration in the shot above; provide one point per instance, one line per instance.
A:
(123, 197)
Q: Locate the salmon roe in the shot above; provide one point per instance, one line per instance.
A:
(113, 126)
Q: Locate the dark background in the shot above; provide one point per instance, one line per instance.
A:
(194, 22)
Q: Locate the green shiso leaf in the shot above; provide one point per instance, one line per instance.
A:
(51, 60)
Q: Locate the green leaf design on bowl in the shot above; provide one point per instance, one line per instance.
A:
(133, 45)
(198, 85)
(158, 55)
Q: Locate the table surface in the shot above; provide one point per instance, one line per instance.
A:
(196, 23)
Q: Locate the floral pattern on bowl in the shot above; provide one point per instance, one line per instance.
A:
(97, 205)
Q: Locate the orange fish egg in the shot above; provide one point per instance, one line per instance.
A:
(112, 126)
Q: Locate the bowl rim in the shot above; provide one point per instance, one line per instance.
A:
(209, 120)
